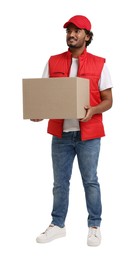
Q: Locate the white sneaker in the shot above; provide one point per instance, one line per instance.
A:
(94, 236)
(51, 233)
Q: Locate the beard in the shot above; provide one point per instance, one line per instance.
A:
(72, 46)
(74, 43)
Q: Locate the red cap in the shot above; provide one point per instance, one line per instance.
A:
(79, 21)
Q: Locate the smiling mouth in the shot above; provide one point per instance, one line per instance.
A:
(71, 42)
(71, 39)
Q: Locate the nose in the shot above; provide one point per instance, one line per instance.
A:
(71, 33)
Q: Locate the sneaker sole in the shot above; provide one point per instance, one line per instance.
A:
(91, 244)
(50, 239)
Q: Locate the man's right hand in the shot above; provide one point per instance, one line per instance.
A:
(36, 120)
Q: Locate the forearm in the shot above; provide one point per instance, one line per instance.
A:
(102, 107)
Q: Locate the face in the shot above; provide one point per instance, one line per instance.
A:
(76, 38)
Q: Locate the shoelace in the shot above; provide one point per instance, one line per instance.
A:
(93, 231)
(47, 229)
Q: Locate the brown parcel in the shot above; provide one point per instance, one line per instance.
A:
(56, 98)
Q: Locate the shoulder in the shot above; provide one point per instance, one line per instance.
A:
(105, 70)
(95, 57)
(105, 81)
(58, 55)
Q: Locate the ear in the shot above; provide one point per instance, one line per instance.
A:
(87, 38)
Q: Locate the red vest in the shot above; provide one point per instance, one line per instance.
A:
(90, 67)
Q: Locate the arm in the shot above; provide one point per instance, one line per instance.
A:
(106, 104)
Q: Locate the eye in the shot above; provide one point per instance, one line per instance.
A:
(77, 31)
(67, 30)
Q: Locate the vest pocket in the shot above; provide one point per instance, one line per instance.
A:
(91, 75)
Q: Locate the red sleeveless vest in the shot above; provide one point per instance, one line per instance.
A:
(90, 67)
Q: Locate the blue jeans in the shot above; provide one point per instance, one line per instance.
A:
(63, 153)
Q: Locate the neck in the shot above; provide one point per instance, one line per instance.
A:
(77, 52)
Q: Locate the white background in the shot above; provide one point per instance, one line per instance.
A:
(31, 31)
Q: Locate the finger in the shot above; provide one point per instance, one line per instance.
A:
(36, 120)
(85, 119)
(86, 107)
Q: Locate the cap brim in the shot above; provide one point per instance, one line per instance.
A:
(68, 23)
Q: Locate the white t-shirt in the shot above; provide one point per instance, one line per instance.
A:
(104, 83)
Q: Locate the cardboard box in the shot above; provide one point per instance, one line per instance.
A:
(55, 98)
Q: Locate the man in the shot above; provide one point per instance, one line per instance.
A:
(78, 137)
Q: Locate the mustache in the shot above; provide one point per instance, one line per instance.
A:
(72, 38)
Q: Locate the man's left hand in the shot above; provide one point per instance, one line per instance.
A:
(89, 113)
